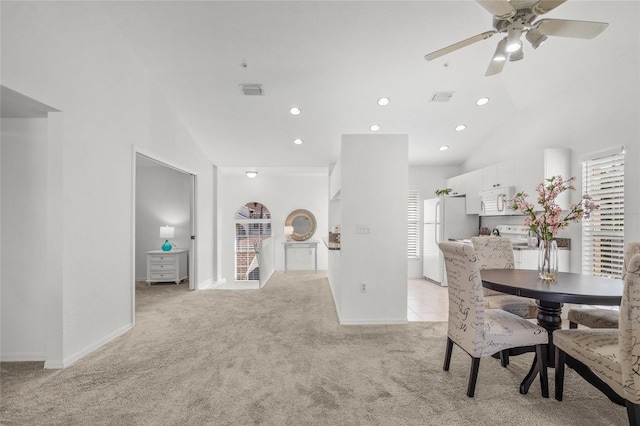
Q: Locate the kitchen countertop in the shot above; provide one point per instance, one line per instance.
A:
(517, 247)
(563, 244)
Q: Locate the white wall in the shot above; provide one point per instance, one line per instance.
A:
(374, 194)
(69, 55)
(266, 259)
(163, 197)
(281, 191)
(24, 230)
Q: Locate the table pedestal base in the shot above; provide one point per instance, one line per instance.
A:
(548, 318)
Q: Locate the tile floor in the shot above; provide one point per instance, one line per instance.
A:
(426, 301)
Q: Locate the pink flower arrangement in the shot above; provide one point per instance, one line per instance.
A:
(550, 219)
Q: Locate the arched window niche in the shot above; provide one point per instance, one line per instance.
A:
(253, 224)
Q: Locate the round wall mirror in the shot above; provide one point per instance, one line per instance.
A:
(304, 224)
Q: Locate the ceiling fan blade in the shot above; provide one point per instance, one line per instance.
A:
(499, 8)
(545, 6)
(498, 59)
(573, 29)
(495, 67)
(459, 45)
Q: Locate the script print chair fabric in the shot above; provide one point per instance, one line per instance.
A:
(483, 332)
(597, 317)
(497, 253)
(609, 359)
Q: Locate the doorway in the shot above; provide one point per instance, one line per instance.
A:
(31, 297)
(165, 199)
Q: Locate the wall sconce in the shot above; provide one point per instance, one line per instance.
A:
(167, 232)
(288, 231)
(251, 173)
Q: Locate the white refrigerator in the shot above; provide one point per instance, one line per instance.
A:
(445, 219)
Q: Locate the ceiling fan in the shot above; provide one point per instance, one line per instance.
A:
(514, 18)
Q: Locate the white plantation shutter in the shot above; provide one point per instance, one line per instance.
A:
(603, 233)
(413, 232)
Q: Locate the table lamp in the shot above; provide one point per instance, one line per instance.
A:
(288, 230)
(166, 232)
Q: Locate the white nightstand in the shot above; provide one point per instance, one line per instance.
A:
(164, 266)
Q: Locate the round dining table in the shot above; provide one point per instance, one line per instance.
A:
(550, 296)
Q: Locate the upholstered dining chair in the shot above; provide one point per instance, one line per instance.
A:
(598, 317)
(606, 358)
(482, 332)
(497, 253)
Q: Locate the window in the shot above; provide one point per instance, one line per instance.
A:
(253, 224)
(413, 216)
(603, 232)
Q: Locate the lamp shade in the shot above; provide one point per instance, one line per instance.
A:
(167, 231)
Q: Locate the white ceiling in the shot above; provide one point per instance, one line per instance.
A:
(335, 59)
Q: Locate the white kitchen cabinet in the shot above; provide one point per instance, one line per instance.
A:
(470, 185)
(498, 175)
(528, 259)
(456, 185)
(167, 266)
(539, 165)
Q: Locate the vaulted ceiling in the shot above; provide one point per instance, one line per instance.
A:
(335, 59)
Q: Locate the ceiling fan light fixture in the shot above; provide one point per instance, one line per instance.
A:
(535, 37)
(513, 40)
(516, 56)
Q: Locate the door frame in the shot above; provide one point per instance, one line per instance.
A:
(150, 155)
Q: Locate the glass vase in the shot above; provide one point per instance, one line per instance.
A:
(548, 260)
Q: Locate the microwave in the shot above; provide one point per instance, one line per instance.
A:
(497, 201)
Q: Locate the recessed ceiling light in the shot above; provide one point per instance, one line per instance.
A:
(298, 141)
(482, 101)
(374, 127)
(251, 173)
(295, 111)
(460, 127)
(443, 148)
(383, 101)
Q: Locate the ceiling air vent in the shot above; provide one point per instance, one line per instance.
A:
(252, 89)
(441, 96)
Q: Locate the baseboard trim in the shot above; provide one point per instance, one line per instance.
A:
(70, 360)
(212, 285)
(239, 285)
(375, 321)
(23, 357)
(335, 302)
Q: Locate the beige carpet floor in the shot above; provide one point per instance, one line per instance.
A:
(277, 356)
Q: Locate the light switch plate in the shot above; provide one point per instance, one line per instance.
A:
(363, 229)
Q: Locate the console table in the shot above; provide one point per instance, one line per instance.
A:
(301, 244)
(163, 266)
